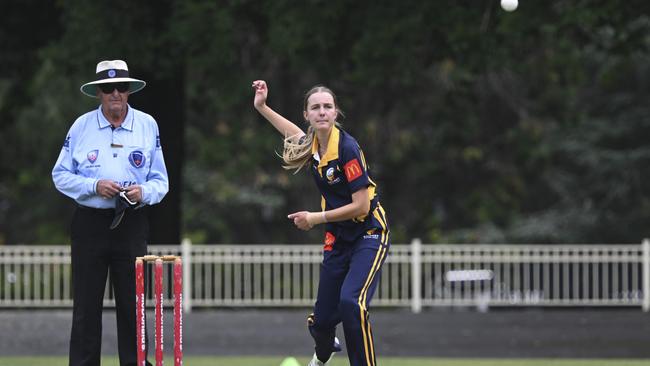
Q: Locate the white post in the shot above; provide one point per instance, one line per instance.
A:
(416, 275)
(186, 253)
(646, 274)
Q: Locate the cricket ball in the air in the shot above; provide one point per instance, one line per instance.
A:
(509, 5)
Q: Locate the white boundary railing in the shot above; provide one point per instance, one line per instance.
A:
(415, 275)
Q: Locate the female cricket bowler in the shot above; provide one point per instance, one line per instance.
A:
(356, 229)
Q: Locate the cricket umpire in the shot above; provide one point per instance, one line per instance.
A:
(112, 165)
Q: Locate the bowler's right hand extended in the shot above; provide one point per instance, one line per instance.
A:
(107, 188)
(261, 92)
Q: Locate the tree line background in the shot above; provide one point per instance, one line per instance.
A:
(480, 126)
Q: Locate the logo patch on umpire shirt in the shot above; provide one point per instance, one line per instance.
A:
(136, 158)
(92, 156)
(352, 170)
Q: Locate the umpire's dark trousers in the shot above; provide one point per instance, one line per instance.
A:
(96, 250)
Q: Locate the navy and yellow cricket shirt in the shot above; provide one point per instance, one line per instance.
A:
(339, 173)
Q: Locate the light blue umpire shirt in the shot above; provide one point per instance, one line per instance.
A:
(130, 154)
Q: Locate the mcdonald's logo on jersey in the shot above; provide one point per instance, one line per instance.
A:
(352, 170)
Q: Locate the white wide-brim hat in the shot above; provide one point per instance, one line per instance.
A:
(112, 71)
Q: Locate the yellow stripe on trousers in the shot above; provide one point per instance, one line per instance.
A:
(380, 214)
(381, 253)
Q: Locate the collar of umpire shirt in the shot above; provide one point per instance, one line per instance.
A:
(127, 124)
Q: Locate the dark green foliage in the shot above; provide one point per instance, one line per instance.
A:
(479, 125)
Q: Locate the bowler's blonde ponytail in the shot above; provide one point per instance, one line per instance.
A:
(297, 153)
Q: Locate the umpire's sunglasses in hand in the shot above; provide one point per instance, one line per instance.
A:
(121, 204)
(123, 195)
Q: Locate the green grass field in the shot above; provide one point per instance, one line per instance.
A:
(340, 361)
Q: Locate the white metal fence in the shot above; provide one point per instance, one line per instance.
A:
(414, 275)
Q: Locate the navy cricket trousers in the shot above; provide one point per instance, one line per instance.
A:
(96, 250)
(348, 277)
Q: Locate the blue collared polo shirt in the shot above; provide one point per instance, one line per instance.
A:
(130, 154)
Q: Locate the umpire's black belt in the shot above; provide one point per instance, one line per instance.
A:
(108, 212)
(116, 214)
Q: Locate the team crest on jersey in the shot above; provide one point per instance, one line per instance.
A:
(136, 158)
(329, 174)
(92, 156)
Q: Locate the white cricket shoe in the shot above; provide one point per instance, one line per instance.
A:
(316, 362)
